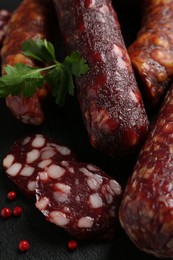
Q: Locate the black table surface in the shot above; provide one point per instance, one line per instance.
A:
(66, 125)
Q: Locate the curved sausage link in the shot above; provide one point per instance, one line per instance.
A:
(109, 98)
(152, 52)
(30, 20)
(146, 211)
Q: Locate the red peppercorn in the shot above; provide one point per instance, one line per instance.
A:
(24, 246)
(6, 212)
(11, 195)
(17, 211)
(72, 244)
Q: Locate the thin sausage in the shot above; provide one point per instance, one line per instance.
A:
(146, 211)
(109, 98)
(29, 21)
(152, 52)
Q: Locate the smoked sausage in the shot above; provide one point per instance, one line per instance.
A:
(146, 211)
(152, 52)
(80, 198)
(108, 95)
(29, 21)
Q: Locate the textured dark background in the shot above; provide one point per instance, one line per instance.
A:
(47, 242)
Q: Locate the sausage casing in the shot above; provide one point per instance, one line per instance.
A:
(29, 21)
(146, 211)
(109, 98)
(152, 52)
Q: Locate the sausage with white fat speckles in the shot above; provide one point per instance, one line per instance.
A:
(29, 21)
(80, 198)
(152, 53)
(32, 154)
(109, 98)
(146, 211)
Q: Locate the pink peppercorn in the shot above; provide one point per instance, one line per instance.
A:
(17, 211)
(72, 244)
(24, 245)
(11, 195)
(6, 212)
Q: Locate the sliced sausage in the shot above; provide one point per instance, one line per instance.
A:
(146, 211)
(29, 21)
(32, 154)
(152, 52)
(80, 198)
(109, 98)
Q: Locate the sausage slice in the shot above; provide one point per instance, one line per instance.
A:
(80, 198)
(28, 156)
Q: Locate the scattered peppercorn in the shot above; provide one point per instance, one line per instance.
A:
(72, 244)
(6, 212)
(11, 195)
(17, 211)
(24, 245)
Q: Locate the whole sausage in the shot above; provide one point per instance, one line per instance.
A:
(4, 18)
(152, 52)
(29, 21)
(80, 198)
(146, 211)
(109, 98)
(32, 154)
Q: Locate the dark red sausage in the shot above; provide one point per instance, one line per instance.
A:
(30, 155)
(152, 52)
(109, 98)
(80, 198)
(146, 212)
(30, 20)
(4, 18)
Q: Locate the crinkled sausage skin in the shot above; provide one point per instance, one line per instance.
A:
(80, 198)
(152, 52)
(146, 211)
(30, 20)
(32, 154)
(109, 98)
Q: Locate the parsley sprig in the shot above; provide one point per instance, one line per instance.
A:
(21, 79)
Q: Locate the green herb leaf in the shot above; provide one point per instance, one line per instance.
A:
(41, 50)
(62, 84)
(21, 79)
(76, 64)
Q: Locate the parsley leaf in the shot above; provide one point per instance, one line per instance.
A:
(21, 79)
(77, 65)
(41, 50)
